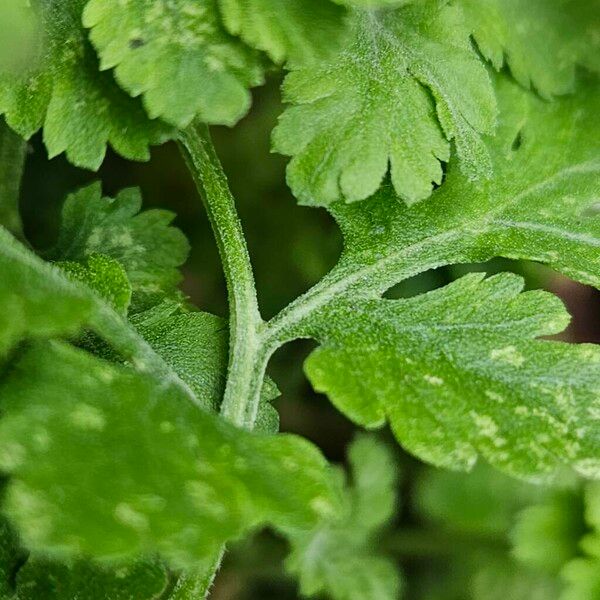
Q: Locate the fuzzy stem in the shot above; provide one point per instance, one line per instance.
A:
(244, 378)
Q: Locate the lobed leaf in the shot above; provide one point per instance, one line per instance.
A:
(338, 557)
(407, 84)
(542, 41)
(458, 372)
(80, 109)
(299, 31)
(177, 55)
(148, 247)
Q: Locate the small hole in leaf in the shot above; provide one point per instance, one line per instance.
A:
(136, 43)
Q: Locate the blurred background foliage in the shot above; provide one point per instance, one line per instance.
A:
(480, 536)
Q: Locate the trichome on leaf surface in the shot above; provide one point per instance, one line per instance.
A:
(139, 435)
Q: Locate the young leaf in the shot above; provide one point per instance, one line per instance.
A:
(542, 41)
(453, 399)
(371, 107)
(39, 300)
(337, 557)
(177, 55)
(105, 276)
(147, 246)
(81, 110)
(186, 481)
(300, 31)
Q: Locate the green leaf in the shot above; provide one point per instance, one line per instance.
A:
(582, 574)
(458, 372)
(373, 3)
(338, 557)
(84, 580)
(177, 55)
(38, 300)
(482, 502)
(27, 577)
(17, 32)
(501, 578)
(407, 84)
(196, 346)
(150, 249)
(81, 110)
(196, 584)
(105, 276)
(153, 472)
(541, 41)
(300, 31)
(582, 578)
(36, 303)
(557, 523)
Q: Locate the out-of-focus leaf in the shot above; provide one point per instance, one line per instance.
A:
(339, 557)
(541, 41)
(110, 463)
(61, 90)
(300, 31)
(177, 55)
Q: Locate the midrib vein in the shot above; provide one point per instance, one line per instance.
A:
(341, 278)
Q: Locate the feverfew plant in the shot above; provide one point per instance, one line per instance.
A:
(137, 433)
